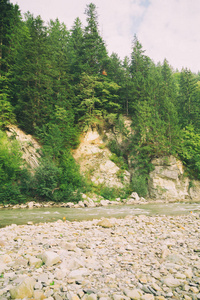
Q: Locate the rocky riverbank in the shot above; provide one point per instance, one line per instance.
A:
(87, 201)
(139, 257)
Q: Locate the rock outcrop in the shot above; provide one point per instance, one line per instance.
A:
(29, 146)
(94, 159)
(167, 181)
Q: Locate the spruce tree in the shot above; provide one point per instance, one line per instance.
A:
(95, 53)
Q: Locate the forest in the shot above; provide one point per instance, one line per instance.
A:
(56, 83)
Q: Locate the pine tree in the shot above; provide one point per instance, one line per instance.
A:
(189, 102)
(76, 43)
(95, 53)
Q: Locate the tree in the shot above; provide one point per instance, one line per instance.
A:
(9, 19)
(76, 43)
(95, 54)
(139, 71)
(6, 112)
(189, 101)
(97, 98)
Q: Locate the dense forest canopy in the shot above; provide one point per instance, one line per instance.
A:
(56, 82)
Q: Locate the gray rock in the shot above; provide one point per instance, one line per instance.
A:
(50, 258)
(24, 290)
(170, 281)
(105, 223)
(133, 294)
(77, 274)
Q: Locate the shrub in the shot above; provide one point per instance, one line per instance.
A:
(46, 180)
(10, 193)
(139, 185)
(11, 170)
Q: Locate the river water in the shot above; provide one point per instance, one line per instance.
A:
(37, 215)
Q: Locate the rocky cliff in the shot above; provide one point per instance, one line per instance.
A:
(168, 182)
(29, 146)
(94, 159)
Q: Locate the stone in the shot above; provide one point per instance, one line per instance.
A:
(90, 297)
(189, 273)
(43, 278)
(172, 282)
(174, 258)
(72, 296)
(69, 246)
(23, 290)
(35, 262)
(104, 202)
(119, 297)
(194, 289)
(2, 243)
(81, 204)
(133, 294)
(5, 259)
(75, 263)
(50, 258)
(134, 196)
(38, 295)
(105, 223)
(147, 297)
(20, 261)
(77, 274)
(30, 204)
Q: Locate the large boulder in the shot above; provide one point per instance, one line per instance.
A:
(24, 290)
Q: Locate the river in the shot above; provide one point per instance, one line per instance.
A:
(37, 215)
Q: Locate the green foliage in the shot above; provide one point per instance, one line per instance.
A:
(11, 193)
(111, 193)
(46, 180)
(12, 190)
(61, 182)
(139, 185)
(6, 112)
(10, 159)
(189, 151)
(189, 100)
(119, 161)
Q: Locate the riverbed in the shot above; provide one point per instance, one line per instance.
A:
(147, 257)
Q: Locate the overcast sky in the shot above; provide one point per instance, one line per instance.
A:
(166, 28)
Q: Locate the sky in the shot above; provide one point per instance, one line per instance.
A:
(166, 28)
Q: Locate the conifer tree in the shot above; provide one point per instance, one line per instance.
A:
(76, 43)
(95, 53)
(189, 102)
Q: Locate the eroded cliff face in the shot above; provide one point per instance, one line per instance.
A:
(167, 181)
(94, 159)
(29, 146)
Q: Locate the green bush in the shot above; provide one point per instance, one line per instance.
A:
(46, 180)
(139, 185)
(10, 193)
(11, 172)
(10, 159)
(58, 182)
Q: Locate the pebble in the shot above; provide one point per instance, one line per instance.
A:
(138, 257)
